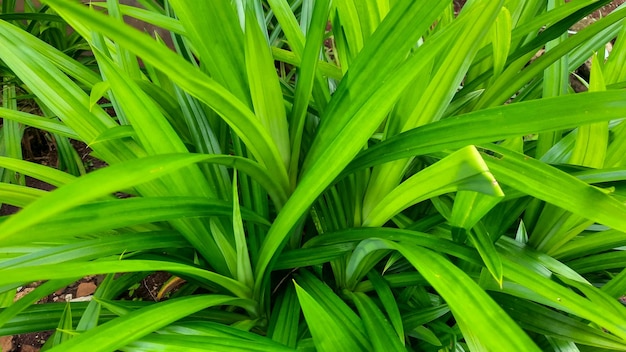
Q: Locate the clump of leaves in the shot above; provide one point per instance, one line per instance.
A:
(52, 30)
(349, 175)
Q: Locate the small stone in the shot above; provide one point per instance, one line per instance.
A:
(85, 289)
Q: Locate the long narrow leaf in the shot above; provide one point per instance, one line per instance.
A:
(482, 321)
(233, 110)
(504, 122)
(143, 321)
(463, 170)
(72, 270)
(328, 334)
(99, 183)
(556, 187)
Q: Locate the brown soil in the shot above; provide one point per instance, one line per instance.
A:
(603, 12)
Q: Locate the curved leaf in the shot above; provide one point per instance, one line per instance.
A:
(482, 321)
(544, 182)
(42, 123)
(514, 120)
(143, 321)
(232, 110)
(462, 170)
(115, 214)
(379, 330)
(325, 328)
(20, 275)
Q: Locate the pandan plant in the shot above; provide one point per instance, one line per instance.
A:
(347, 175)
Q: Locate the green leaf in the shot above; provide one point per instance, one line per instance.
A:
(462, 170)
(362, 261)
(120, 213)
(389, 302)
(181, 342)
(423, 316)
(324, 296)
(101, 247)
(19, 196)
(562, 345)
(614, 155)
(512, 79)
(545, 321)
(556, 227)
(147, 15)
(80, 72)
(117, 132)
(327, 331)
(598, 297)
(12, 133)
(417, 238)
(41, 317)
(20, 275)
(265, 90)
(141, 322)
(57, 92)
(481, 320)
(475, 22)
(291, 259)
(305, 83)
(514, 120)
(65, 327)
(153, 130)
(223, 240)
(469, 207)
(592, 140)
(31, 298)
(346, 115)
(537, 259)
(46, 124)
(351, 28)
(327, 69)
(126, 60)
(556, 187)
(97, 92)
(244, 268)
(98, 184)
(285, 318)
(427, 335)
(228, 106)
(214, 31)
(349, 123)
(379, 330)
(555, 83)
(591, 243)
(539, 288)
(501, 40)
(604, 261)
(487, 250)
(616, 287)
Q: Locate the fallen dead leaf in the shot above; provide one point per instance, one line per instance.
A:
(6, 342)
(23, 293)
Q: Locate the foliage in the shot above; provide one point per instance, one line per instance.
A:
(322, 175)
